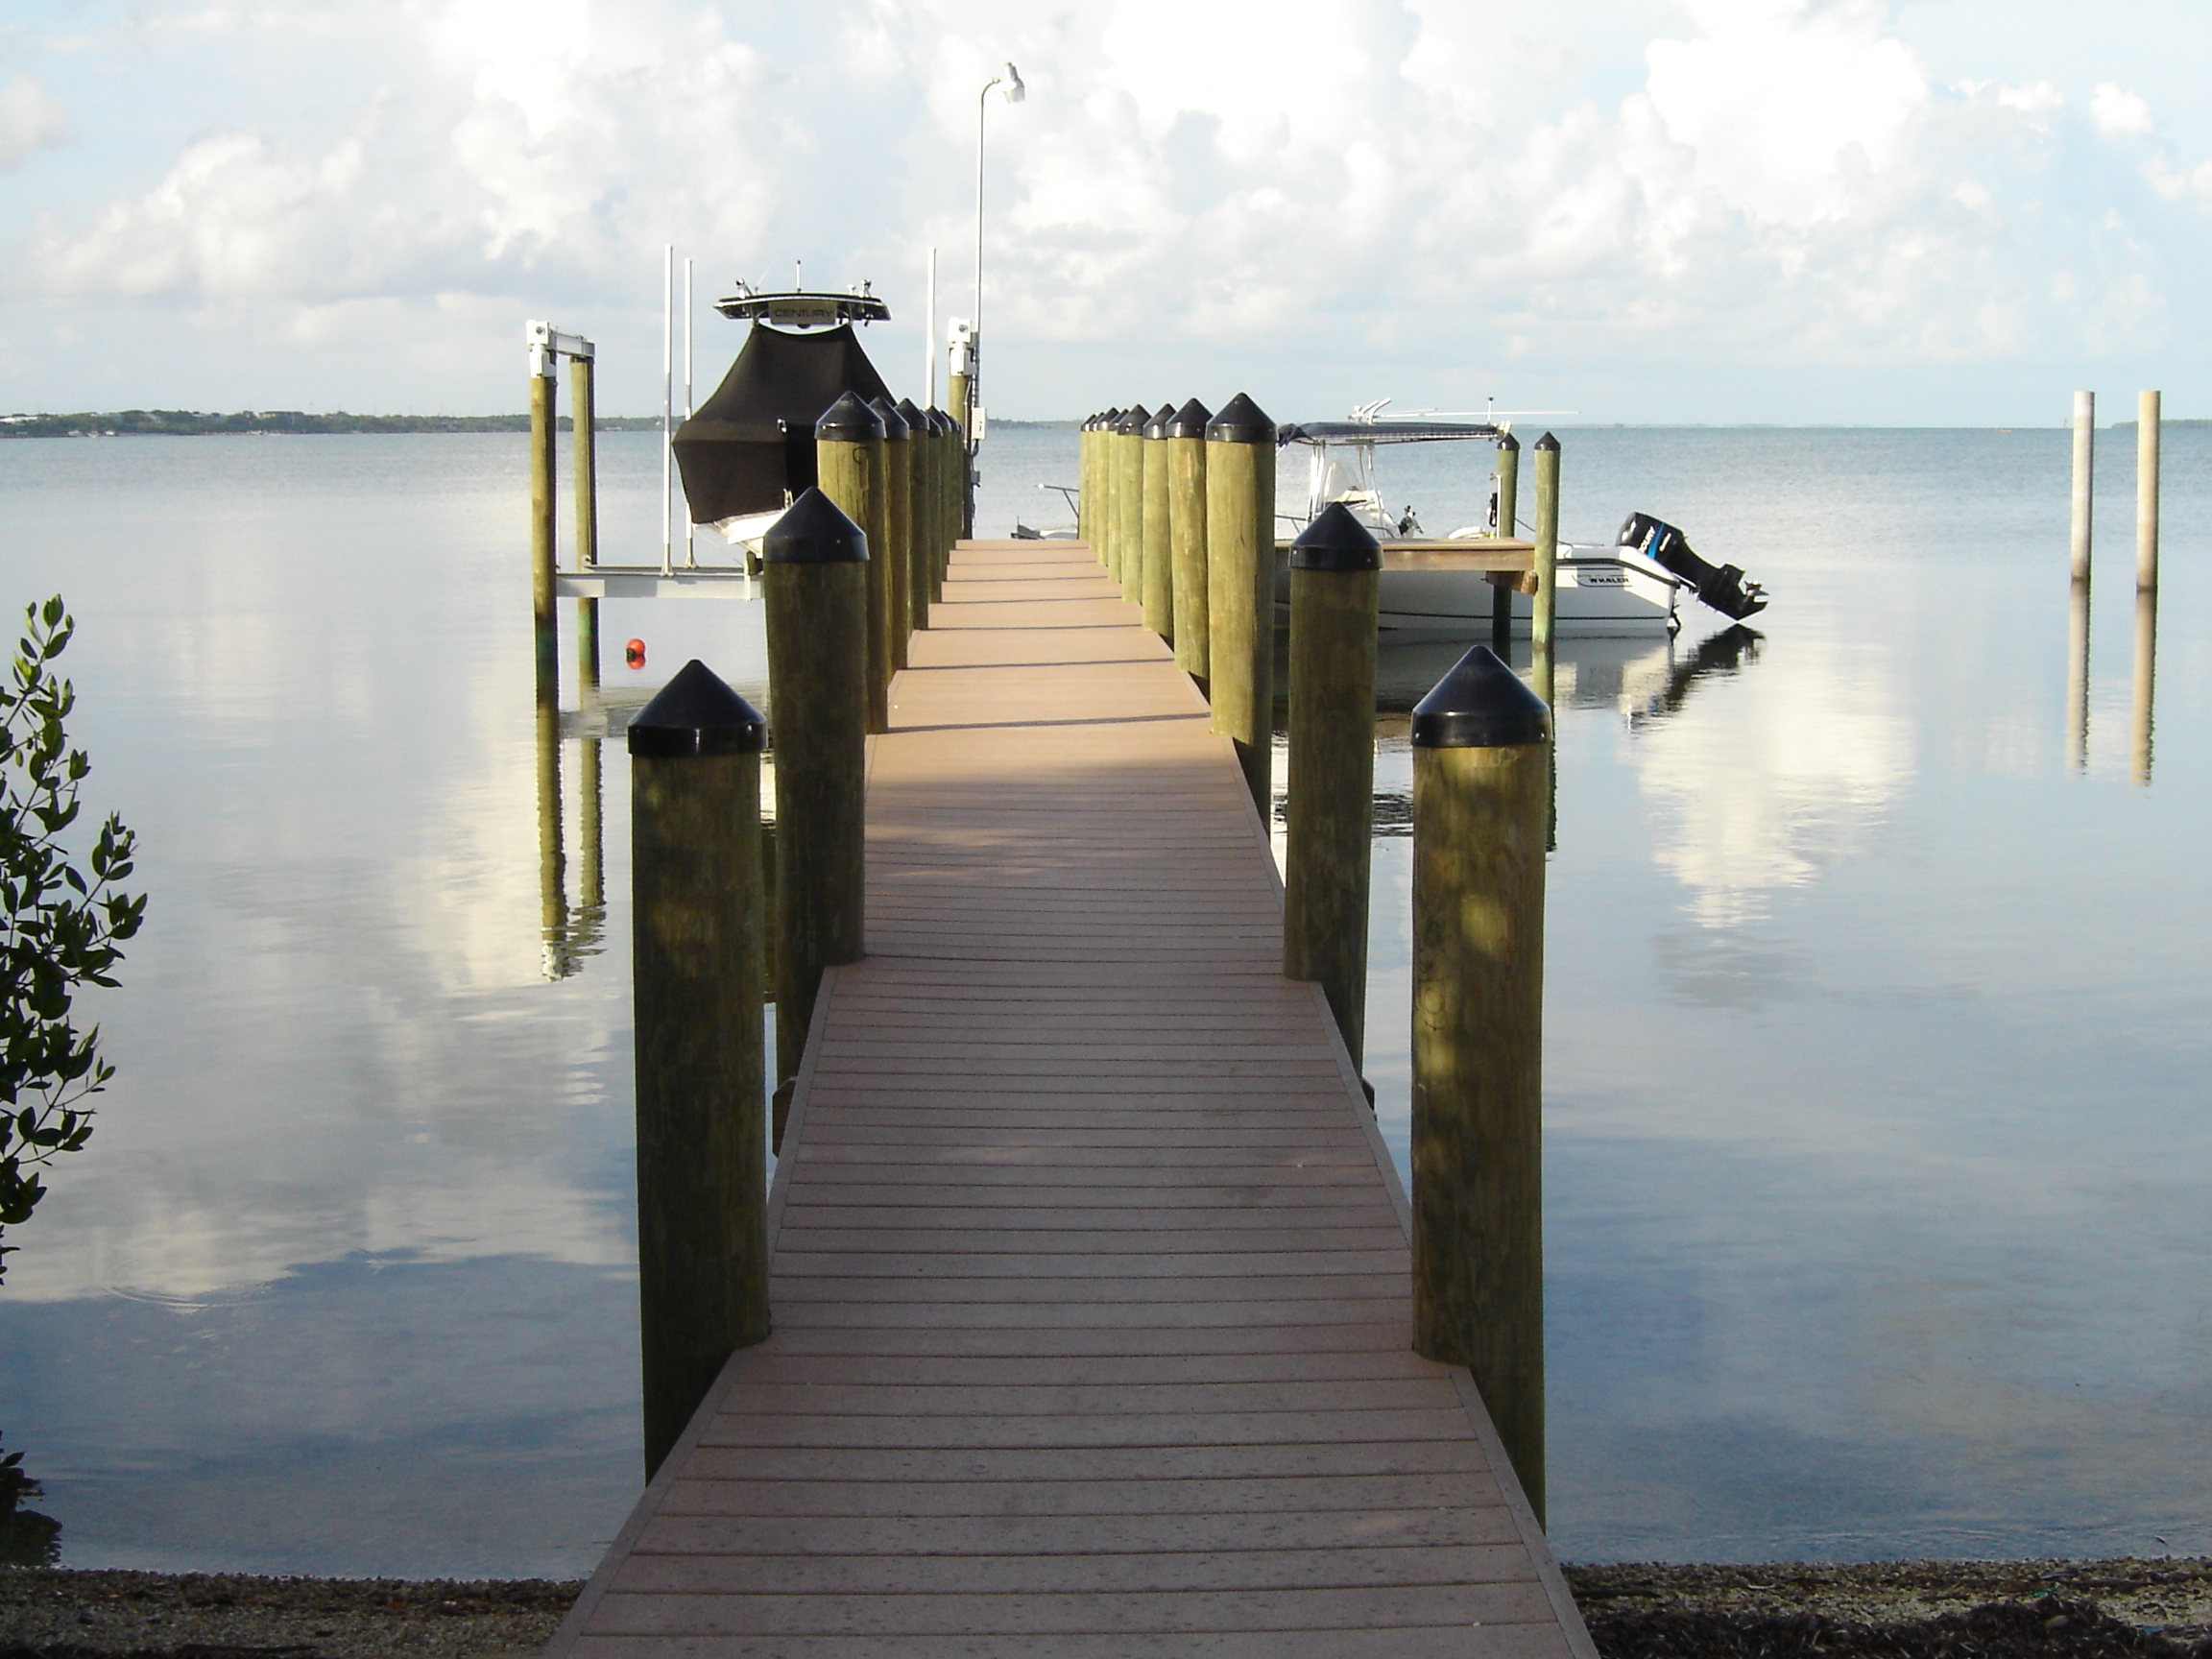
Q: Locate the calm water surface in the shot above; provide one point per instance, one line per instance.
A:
(1879, 1170)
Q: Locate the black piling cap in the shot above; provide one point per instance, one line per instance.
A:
(911, 411)
(849, 420)
(1110, 419)
(1548, 442)
(1481, 704)
(1336, 540)
(695, 713)
(814, 531)
(1156, 425)
(1190, 421)
(1240, 421)
(1511, 443)
(895, 426)
(1132, 424)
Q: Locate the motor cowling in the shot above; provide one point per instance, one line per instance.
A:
(1723, 586)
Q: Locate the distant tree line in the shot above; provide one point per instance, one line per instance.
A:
(193, 423)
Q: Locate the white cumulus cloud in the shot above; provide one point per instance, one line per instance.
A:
(31, 119)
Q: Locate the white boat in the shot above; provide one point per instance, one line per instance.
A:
(1444, 584)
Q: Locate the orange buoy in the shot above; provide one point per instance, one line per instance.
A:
(633, 654)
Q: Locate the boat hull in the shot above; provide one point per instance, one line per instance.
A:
(1601, 596)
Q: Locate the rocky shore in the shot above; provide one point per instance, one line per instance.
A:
(2142, 1609)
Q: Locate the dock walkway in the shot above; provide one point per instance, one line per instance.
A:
(1090, 1275)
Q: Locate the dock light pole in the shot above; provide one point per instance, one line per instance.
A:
(1014, 91)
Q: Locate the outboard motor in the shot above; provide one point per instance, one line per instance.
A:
(1722, 587)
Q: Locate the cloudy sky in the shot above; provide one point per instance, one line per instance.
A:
(1887, 211)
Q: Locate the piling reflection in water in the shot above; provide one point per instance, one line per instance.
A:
(2077, 679)
(569, 935)
(2146, 677)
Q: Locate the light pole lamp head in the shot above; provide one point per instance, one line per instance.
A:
(1016, 92)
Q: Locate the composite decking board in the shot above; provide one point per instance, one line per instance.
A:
(1091, 1294)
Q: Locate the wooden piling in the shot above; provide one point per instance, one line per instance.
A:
(1481, 786)
(815, 594)
(896, 553)
(1085, 499)
(1508, 513)
(1544, 606)
(1187, 535)
(848, 451)
(2146, 433)
(1129, 501)
(1335, 587)
(1108, 468)
(953, 458)
(1158, 590)
(546, 631)
(584, 447)
(1240, 587)
(921, 556)
(2085, 425)
(702, 1135)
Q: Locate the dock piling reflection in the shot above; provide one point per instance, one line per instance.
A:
(2145, 680)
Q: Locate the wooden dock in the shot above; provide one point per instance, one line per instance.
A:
(1090, 1277)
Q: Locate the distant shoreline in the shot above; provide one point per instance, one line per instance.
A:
(280, 424)
(295, 423)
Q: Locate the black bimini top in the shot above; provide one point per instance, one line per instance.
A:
(1386, 431)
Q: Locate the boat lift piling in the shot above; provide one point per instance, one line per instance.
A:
(547, 347)
(1506, 522)
(2084, 424)
(1544, 606)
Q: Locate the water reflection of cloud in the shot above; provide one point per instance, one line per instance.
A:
(332, 1037)
(1779, 774)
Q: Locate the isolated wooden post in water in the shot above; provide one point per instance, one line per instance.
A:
(585, 448)
(1335, 585)
(1482, 804)
(814, 582)
(545, 630)
(696, 964)
(1507, 524)
(848, 451)
(1129, 501)
(1240, 586)
(1187, 535)
(1544, 607)
(896, 553)
(1158, 590)
(2147, 424)
(2085, 425)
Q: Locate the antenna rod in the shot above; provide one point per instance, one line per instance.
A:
(667, 404)
(691, 529)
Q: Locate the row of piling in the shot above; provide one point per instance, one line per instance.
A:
(1179, 505)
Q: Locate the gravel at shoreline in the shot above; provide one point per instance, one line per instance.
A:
(1892, 1609)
